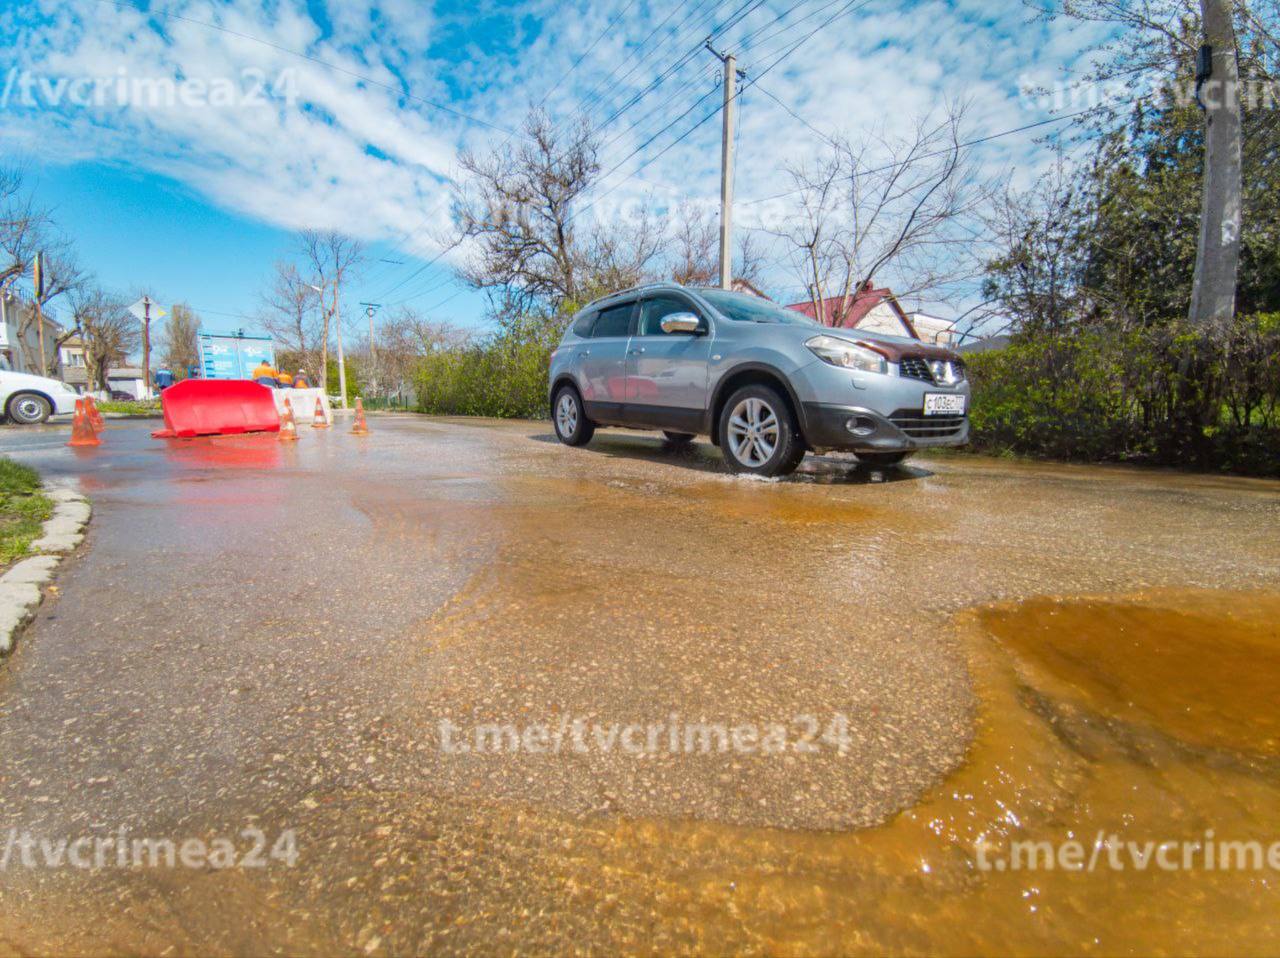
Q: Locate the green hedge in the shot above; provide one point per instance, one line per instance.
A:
(1166, 396)
(503, 375)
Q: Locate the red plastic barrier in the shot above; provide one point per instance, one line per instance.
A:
(217, 407)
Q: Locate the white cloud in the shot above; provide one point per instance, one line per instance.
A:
(356, 156)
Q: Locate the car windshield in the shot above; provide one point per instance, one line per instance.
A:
(745, 308)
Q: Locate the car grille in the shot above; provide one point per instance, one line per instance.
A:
(913, 367)
(919, 426)
(917, 367)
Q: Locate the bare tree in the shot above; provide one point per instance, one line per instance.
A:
(107, 328)
(403, 339)
(181, 348)
(290, 311)
(898, 206)
(695, 252)
(23, 227)
(332, 257)
(515, 209)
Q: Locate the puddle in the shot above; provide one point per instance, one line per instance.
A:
(1092, 722)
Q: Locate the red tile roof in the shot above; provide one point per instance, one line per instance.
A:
(859, 305)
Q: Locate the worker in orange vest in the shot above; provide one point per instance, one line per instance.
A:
(300, 380)
(264, 373)
(285, 380)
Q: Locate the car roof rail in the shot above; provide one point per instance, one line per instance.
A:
(635, 289)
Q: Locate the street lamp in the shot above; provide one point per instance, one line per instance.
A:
(337, 328)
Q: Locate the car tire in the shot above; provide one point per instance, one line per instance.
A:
(573, 428)
(28, 409)
(679, 438)
(758, 434)
(882, 458)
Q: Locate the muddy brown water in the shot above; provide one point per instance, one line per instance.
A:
(1029, 653)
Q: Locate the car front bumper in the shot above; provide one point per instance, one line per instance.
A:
(856, 428)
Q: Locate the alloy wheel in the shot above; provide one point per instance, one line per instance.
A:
(753, 432)
(566, 414)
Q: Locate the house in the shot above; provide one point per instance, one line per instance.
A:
(127, 379)
(19, 346)
(877, 310)
(934, 329)
(739, 285)
(72, 366)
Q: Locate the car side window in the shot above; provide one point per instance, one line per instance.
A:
(582, 325)
(657, 308)
(613, 321)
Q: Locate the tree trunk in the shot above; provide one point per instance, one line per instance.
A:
(1213, 290)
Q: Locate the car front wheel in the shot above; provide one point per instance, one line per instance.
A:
(758, 435)
(573, 428)
(29, 409)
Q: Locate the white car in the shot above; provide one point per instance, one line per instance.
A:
(27, 399)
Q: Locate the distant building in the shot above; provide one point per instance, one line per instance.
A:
(877, 310)
(127, 379)
(746, 286)
(72, 366)
(19, 348)
(934, 329)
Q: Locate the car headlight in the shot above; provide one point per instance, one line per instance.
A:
(847, 355)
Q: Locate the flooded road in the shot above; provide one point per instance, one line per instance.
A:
(438, 654)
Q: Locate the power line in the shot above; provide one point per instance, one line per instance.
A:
(925, 156)
(849, 6)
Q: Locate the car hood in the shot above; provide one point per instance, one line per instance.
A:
(894, 347)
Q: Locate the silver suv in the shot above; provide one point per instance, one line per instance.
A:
(766, 383)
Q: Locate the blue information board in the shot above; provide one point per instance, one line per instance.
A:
(233, 357)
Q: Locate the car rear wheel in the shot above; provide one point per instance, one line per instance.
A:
(28, 409)
(758, 435)
(881, 458)
(680, 438)
(573, 428)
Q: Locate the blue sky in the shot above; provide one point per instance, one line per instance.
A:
(195, 200)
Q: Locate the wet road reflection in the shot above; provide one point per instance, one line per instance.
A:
(269, 637)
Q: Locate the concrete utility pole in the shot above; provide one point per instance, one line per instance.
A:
(1213, 289)
(337, 326)
(726, 164)
(342, 364)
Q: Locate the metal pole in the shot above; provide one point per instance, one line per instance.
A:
(146, 347)
(44, 367)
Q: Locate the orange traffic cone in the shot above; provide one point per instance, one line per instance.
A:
(82, 433)
(360, 428)
(95, 415)
(288, 428)
(320, 421)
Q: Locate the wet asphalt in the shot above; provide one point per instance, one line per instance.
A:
(258, 635)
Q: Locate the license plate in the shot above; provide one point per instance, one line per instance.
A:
(944, 404)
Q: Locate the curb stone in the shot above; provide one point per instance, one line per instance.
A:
(20, 587)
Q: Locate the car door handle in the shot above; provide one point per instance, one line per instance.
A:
(637, 350)
(584, 354)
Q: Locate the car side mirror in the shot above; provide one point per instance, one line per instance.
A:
(682, 323)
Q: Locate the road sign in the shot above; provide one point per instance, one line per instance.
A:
(139, 309)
